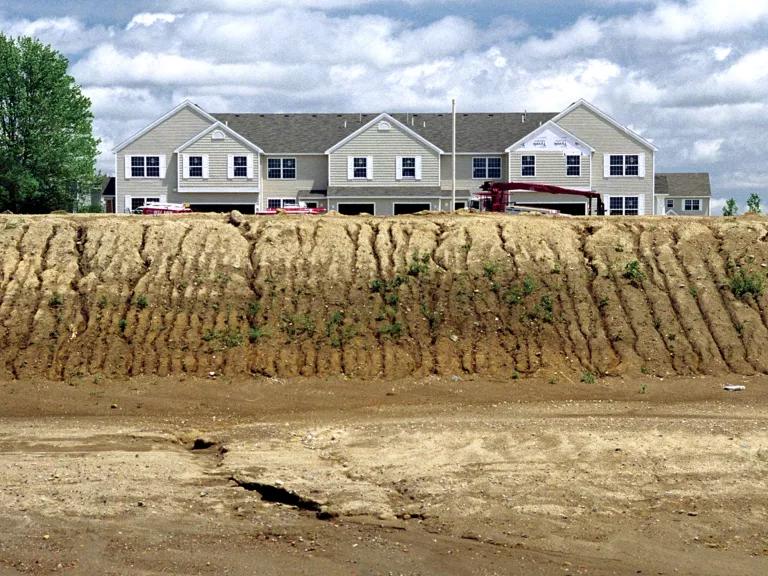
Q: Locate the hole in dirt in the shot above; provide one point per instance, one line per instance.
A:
(272, 493)
(203, 443)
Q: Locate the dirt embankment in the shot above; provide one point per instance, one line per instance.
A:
(370, 297)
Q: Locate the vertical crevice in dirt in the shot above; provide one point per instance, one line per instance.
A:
(730, 306)
(707, 322)
(659, 304)
(127, 306)
(592, 272)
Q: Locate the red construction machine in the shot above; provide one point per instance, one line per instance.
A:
(495, 196)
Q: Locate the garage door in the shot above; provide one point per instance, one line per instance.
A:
(244, 208)
(574, 209)
(354, 209)
(405, 208)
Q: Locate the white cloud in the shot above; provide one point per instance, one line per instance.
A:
(706, 150)
(151, 18)
(682, 21)
(721, 52)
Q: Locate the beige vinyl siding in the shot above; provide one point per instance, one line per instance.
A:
(464, 179)
(384, 146)
(311, 174)
(218, 152)
(679, 206)
(550, 169)
(161, 140)
(606, 139)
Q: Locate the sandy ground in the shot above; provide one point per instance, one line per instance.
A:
(418, 476)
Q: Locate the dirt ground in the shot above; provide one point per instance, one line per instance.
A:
(427, 476)
(386, 298)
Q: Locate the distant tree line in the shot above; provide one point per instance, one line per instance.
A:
(47, 149)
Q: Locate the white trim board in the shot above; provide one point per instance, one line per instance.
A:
(163, 118)
(388, 118)
(393, 197)
(217, 189)
(607, 118)
(219, 125)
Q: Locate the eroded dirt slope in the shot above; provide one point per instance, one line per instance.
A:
(370, 297)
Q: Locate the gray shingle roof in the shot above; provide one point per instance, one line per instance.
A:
(315, 133)
(683, 183)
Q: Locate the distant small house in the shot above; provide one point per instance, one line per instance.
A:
(684, 193)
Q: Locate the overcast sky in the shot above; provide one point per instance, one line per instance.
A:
(690, 76)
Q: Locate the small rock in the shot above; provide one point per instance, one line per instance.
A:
(113, 406)
(454, 338)
(140, 504)
(46, 536)
(235, 218)
(692, 513)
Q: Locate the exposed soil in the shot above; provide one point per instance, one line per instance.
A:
(431, 395)
(372, 297)
(431, 476)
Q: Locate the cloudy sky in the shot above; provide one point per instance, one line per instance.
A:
(691, 76)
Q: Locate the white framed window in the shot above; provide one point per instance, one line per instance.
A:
(669, 203)
(486, 168)
(692, 205)
(359, 168)
(408, 168)
(195, 166)
(145, 166)
(528, 166)
(573, 165)
(624, 206)
(277, 203)
(621, 165)
(281, 168)
(239, 166)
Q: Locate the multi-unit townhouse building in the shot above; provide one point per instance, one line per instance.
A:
(382, 164)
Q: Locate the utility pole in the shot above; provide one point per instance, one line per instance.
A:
(453, 155)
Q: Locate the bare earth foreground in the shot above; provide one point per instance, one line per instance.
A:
(389, 395)
(415, 476)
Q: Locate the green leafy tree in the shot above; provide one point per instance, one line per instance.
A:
(730, 208)
(47, 148)
(753, 204)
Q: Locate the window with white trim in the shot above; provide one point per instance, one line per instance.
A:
(240, 166)
(195, 166)
(670, 203)
(281, 168)
(528, 166)
(409, 167)
(624, 206)
(360, 167)
(145, 166)
(692, 205)
(624, 165)
(573, 165)
(277, 203)
(486, 168)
